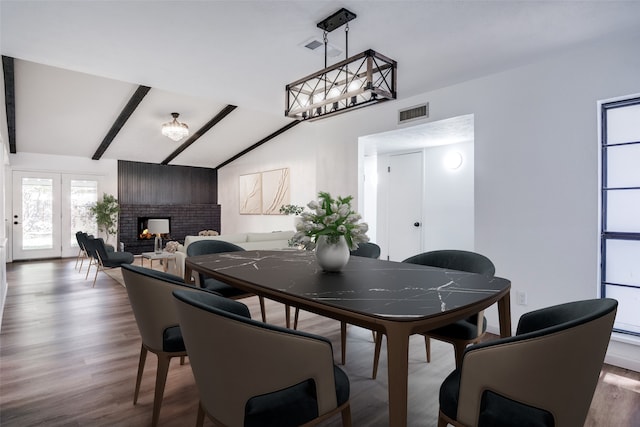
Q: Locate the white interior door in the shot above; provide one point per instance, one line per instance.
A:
(404, 205)
(48, 209)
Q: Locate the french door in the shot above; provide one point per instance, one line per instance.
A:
(48, 209)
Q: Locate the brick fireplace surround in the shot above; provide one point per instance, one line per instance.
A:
(185, 220)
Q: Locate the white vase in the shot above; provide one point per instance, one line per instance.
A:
(332, 256)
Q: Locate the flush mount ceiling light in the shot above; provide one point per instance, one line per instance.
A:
(363, 79)
(174, 129)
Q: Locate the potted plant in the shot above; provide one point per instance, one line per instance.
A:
(332, 227)
(106, 213)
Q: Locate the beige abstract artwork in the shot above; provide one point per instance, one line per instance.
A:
(251, 194)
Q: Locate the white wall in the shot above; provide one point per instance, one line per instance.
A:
(536, 166)
(449, 200)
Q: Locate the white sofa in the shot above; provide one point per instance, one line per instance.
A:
(248, 241)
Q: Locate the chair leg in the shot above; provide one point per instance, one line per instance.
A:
(161, 379)
(78, 258)
(376, 355)
(81, 262)
(200, 419)
(343, 341)
(143, 358)
(263, 310)
(427, 345)
(182, 360)
(86, 276)
(96, 276)
(346, 416)
(295, 318)
(442, 422)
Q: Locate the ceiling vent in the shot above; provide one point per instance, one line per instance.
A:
(413, 113)
(316, 45)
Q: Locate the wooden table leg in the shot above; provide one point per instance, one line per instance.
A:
(504, 315)
(398, 374)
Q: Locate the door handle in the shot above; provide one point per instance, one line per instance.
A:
(416, 224)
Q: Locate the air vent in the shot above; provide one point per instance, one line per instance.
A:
(413, 113)
(316, 45)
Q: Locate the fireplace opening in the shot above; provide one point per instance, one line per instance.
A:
(143, 228)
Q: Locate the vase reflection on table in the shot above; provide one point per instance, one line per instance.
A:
(332, 255)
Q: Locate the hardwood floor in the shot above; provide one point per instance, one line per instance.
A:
(69, 353)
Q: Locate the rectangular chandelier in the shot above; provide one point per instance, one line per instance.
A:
(363, 79)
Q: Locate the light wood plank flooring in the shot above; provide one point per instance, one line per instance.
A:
(69, 352)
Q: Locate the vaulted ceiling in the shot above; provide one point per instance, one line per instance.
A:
(77, 65)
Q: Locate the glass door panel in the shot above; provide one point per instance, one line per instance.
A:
(36, 224)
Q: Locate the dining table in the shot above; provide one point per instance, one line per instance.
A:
(394, 298)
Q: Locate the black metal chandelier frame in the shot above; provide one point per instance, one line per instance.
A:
(363, 79)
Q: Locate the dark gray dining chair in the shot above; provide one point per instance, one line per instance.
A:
(205, 247)
(545, 375)
(102, 258)
(463, 332)
(253, 374)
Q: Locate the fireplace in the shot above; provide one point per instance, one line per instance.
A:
(143, 228)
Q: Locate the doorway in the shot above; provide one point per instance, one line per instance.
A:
(48, 209)
(438, 196)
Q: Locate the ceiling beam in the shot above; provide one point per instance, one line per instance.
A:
(259, 143)
(204, 129)
(126, 112)
(10, 100)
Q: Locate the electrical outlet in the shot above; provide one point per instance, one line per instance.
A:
(521, 298)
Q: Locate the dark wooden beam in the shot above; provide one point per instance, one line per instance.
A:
(204, 129)
(259, 143)
(10, 100)
(126, 112)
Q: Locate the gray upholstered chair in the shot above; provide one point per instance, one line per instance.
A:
(283, 377)
(150, 295)
(545, 375)
(101, 257)
(204, 247)
(367, 250)
(463, 332)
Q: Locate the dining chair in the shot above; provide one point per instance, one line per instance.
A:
(545, 375)
(282, 377)
(205, 247)
(367, 250)
(150, 296)
(102, 258)
(82, 252)
(463, 332)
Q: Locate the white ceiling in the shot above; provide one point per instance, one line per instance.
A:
(79, 62)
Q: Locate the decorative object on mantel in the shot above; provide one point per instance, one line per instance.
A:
(174, 129)
(331, 228)
(172, 246)
(106, 213)
(158, 227)
(364, 79)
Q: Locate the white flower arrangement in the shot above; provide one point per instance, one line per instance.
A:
(332, 218)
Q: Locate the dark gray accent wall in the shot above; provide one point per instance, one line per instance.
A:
(188, 195)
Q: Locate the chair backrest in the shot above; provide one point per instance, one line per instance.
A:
(79, 239)
(450, 259)
(234, 358)
(152, 303)
(553, 363)
(367, 249)
(204, 247)
(90, 245)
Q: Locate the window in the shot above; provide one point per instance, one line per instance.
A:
(620, 210)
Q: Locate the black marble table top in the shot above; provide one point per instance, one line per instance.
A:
(372, 287)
